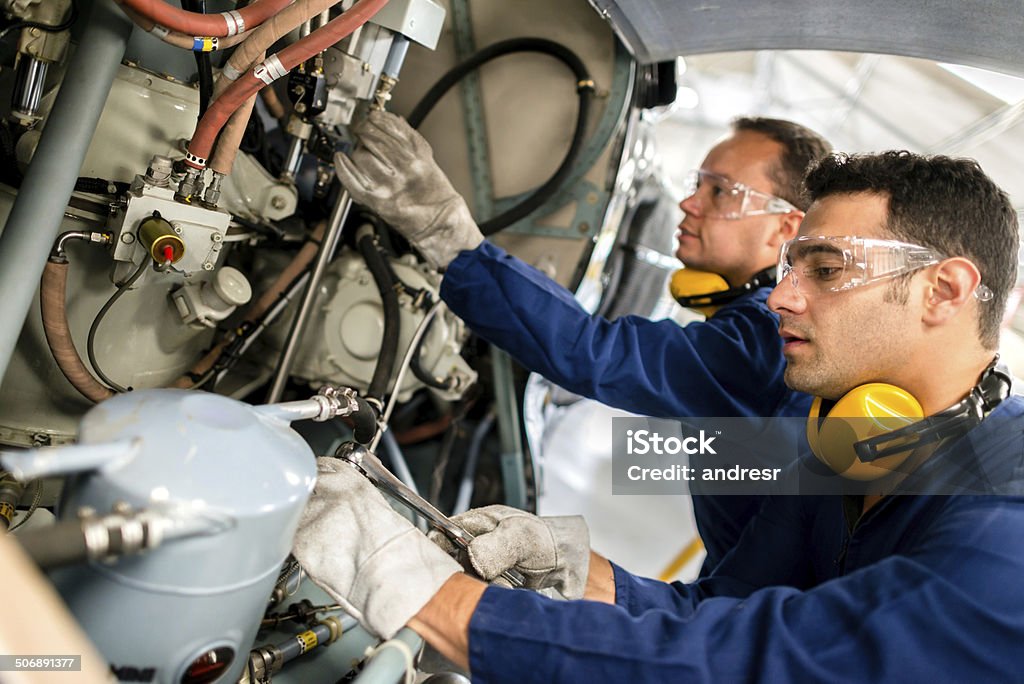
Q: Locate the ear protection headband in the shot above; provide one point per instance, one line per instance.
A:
(705, 292)
(874, 428)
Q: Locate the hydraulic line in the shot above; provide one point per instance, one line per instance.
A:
(384, 279)
(305, 309)
(91, 342)
(269, 33)
(183, 41)
(215, 25)
(204, 67)
(584, 89)
(52, 298)
(267, 72)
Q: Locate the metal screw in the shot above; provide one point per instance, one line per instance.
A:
(300, 107)
(127, 238)
(177, 229)
(217, 237)
(34, 31)
(277, 202)
(584, 228)
(207, 266)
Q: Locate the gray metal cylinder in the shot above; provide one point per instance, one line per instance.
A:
(204, 455)
(36, 218)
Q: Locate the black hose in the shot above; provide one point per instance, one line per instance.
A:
(364, 422)
(584, 88)
(204, 67)
(421, 373)
(56, 545)
(381, 272)
(91, 343)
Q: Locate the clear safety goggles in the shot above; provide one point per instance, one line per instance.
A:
(817, 264)
(731, 200)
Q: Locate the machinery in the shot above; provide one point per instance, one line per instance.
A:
(193, 308)
(196, 286)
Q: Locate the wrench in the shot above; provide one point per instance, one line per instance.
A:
(367, 463)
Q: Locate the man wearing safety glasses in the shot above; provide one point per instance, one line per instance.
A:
(745, 202)
(896, 284)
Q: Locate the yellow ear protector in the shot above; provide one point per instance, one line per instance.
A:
(706, 292)
(874, 428)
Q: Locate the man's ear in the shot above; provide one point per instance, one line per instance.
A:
(788, 227)
(950, 289)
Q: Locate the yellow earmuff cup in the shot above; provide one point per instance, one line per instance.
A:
(864, 412)
(689, 282)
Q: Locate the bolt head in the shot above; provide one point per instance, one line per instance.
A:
(207, 266)
(277, 202)
(127, 238)
(217, 237)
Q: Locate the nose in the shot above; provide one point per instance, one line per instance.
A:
(692, 205)
(786, 297)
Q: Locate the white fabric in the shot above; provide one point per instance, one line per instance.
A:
(393, 173)
(550, 553)
(371, 560)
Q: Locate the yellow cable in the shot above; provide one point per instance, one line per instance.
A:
(682, 558)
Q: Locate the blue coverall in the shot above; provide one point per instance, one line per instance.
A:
(729, 366)
(918, 589)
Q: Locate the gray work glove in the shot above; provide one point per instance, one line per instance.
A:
(550, 552)
(394, 174)
(371, 560)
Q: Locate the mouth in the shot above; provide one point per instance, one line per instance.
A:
(791, 341)
(685, 234)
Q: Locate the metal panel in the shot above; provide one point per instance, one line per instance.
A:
(982, 34)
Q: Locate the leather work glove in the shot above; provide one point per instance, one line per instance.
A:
(550, 552)
(371, 560)
(394, 175)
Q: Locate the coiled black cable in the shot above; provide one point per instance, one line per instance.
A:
(584, 89)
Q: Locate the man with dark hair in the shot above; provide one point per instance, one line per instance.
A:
(888, 580)
(744, 203)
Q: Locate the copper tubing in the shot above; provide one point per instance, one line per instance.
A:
(274, 67)
(58, 336)
(181, 40)
(269, 32)
(298, 264)
(197, 24)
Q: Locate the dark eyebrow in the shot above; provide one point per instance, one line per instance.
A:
(804, 250)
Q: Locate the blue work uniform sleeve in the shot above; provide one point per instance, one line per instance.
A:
(938, 612)
(730, 365)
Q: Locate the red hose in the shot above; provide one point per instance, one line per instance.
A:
(272, 68)
(197, 24)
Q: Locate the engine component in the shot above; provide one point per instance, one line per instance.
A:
(154, 219)
(176, 451)
(205, 304)
(345, 346)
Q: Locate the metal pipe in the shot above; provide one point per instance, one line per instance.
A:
(390, 662)
(323, 258)
(28, 88)
(38, 211)
(294, 158)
